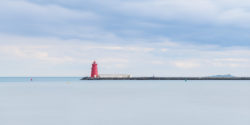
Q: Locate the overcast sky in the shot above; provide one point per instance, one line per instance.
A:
(137, 37)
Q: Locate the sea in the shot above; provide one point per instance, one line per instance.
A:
(71, 101)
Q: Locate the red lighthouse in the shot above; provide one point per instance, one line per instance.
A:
(94, 71)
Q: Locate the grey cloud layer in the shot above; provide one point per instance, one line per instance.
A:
(172, 37)
(196, 21)
(194, 10)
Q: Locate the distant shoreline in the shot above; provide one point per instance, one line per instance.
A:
(169, 78)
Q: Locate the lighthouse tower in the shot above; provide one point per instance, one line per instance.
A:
(94, 70)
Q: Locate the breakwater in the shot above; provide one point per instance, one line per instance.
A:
(169, 78)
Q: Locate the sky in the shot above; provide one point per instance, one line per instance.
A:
(137, 37)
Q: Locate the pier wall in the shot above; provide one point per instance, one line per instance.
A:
(170, 78)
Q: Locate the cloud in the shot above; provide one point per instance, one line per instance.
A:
(132, 58)
(232, 62)
(196, 21)
(189, 64)
(166, 37)
(42, 13)
(237, 17)
(30, 19)
(192, 11)
(172, 9)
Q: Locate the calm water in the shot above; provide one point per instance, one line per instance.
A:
(69, 101)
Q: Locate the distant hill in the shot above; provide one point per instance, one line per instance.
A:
(224, 76)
